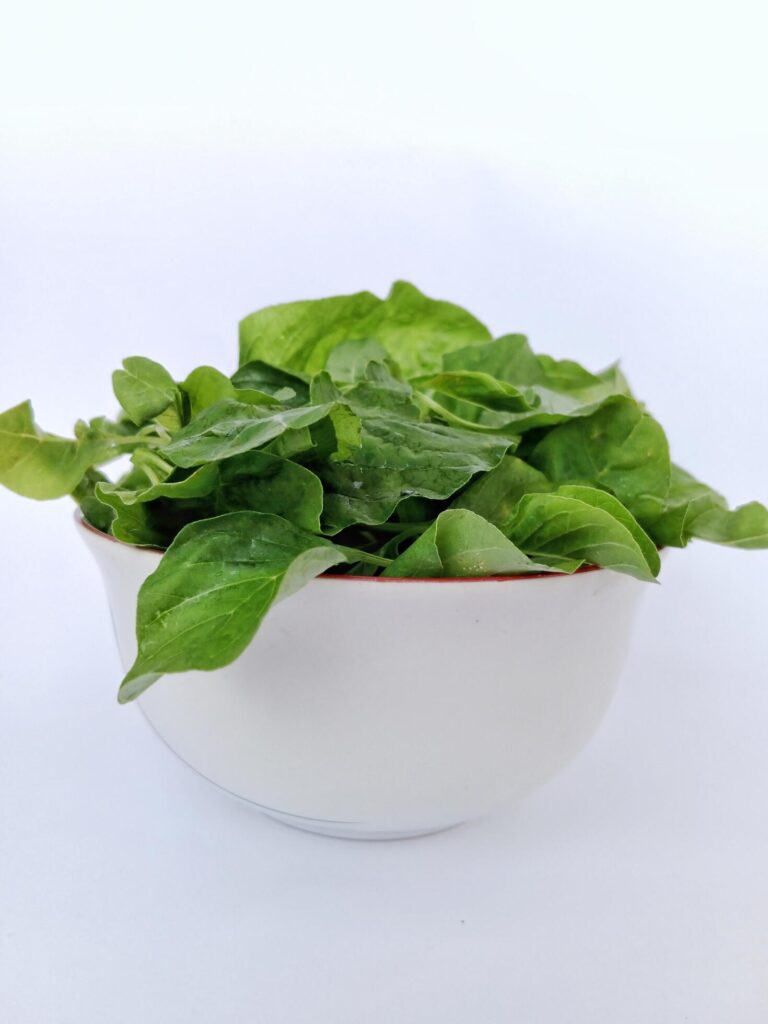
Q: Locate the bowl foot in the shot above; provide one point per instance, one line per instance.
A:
(353, 830)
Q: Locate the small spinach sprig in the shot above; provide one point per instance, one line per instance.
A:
(372, 436)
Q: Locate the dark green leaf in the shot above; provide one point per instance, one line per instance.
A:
(620, 448)
(94, 511)
(203, 604)
(265, 483)
(229, 428)
(286, 388)
(400, 458)
(494, 495)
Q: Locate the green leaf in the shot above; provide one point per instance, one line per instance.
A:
(620, 448)
(686, 499)
(508, 358)
(556, 390)
(552, 527)
(42, 466)
(417, 331)
(281, 386)
(692, 509)
(301, 335)
(479, 388)
(494, 495)
(229, 428)
(94, 510)
(201, 607)
(398, 458)
(462, 544)
(266, 483)
(138, 489)
(133, 522)
(611, 504)
(414, 330)
(744, 527)
(143, 388)
(349, 360)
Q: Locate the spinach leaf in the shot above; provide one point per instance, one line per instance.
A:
(556, 390)
(552, 528)
(229, 428)
(417, 331)
(266, 483)
(479, 388)
(744, 527)
(42, 466)
(133, 521)
(607, 502)
(495, 494)
(94, 511)
(281, 386)
(620, 448)
(349, 360)
(301, 335)
(461, 543)
(137, 488)
(692, 509)
(143, 388)
(203, 604)
(414, 330)
(401, 457)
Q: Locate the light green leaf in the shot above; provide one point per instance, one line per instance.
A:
(349, 360)
(42, 466)
(143, 388)
(479, 388)
(414, 330)
(556, 527)
(201, 607)
(460, 543)
(198, 484)
(744, 527)
(692, 509)
(301, 335)
(609, 503)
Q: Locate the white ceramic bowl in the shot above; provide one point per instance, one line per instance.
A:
(377, 708)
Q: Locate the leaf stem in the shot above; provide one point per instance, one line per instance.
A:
(363, 556)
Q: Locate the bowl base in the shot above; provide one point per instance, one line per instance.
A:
(353, 830)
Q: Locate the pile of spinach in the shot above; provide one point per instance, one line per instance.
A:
(387, 437)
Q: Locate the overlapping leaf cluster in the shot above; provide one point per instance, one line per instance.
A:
(391, 437)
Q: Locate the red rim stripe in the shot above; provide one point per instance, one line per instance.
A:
(373, 579)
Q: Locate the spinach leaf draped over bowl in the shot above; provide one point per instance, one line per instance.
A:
(389, 437)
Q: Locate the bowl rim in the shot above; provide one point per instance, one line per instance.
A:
(83, 522)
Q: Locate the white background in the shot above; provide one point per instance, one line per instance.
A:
(591, 174)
